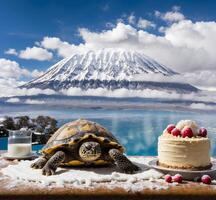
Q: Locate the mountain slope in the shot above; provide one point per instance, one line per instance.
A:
(111, 69)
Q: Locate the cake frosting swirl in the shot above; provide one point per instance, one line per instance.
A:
(184, 146)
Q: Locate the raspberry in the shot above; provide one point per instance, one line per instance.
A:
(170, 127)
(176, 132)
(206, 179)
(168, 178)
(187, 132)
(178, 178)
(202, 132)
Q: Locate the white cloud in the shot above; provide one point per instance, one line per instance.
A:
(143, 23)
(11, 52)
(35, 53)
(131, 19)
(33, 101)
(162, 29)
(52, 43)
(27, 101)
(176, 8)
(202, 106)
(36, 73)
(11, 69)
(64, 49)
(185, 46)
(119, 36)
(9, 87)
(13, 100)
(10, 75)
(146, 93)
(157, 13)
(203, 79)
(171, 16)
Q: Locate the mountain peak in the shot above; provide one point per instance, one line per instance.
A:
(108, 69)
(106, 64)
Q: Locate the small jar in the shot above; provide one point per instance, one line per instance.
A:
(20, 143)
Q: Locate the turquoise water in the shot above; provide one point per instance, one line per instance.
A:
(137, 130)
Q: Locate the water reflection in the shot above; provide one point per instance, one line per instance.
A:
(137, 130)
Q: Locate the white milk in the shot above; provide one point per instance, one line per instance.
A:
(19, 149)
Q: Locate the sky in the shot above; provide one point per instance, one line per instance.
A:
(35, 34)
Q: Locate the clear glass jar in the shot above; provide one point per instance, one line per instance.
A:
(20, 143)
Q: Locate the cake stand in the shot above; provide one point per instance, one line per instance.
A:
(186, 174)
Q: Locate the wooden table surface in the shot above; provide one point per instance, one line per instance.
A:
(186, 190)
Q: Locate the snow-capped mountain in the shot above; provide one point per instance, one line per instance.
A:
(111, 69)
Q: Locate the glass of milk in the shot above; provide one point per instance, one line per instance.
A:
(20, 143)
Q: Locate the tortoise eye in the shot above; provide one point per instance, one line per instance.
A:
(76, 140)
(106, 140)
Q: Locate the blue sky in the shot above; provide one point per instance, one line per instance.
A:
(35, 34)
(23, 22)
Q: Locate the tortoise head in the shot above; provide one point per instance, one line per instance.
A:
(90, 151)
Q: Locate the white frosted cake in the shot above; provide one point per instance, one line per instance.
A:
(184, 146)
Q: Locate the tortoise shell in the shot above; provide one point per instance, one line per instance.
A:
(72, 133)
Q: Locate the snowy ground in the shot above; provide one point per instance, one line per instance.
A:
(88, 178)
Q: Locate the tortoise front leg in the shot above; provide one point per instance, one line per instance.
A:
(39, 164)
(124, 164)
(53, 163)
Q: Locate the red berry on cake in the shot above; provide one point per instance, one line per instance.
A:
(176, 132)
(206, 179)
(168, 178)
(202, 132)
(187, 132)
(170, 127)
(190, 124)
(178, 178)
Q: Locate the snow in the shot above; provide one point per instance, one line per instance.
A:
(89, 177)
(110, 69)
(2, 119)
(106, 64)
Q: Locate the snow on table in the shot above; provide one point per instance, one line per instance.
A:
(88, 178)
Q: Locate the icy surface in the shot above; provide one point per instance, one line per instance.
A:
(89, 177)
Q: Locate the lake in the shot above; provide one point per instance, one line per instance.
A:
(136, 129)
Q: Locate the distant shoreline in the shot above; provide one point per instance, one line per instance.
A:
(116, 105)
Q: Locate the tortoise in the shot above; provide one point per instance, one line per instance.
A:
(82, 143)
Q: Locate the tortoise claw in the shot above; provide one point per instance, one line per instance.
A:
(48, 171)
(33, 165)
(39, 164)
(36, 165)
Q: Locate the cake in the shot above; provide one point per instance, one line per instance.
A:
(184, 146)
